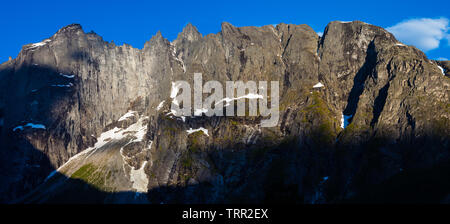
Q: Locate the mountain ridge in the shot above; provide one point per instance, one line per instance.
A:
(79, 86)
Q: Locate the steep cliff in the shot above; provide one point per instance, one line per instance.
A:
(360, 113)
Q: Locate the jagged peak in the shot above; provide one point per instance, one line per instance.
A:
(189, 33)
(227, 27)
(69, 28)
(155, 40)
(189, 28)
(157, 37)
(66, 31)
(352, 23)
(226, 24)
(356, 24)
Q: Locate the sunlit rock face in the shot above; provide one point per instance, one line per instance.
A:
(358, 110)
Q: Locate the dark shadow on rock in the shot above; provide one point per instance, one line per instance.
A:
(294, 171)
(376, 171)
(35, 95)
(417, 185)
(359, 80)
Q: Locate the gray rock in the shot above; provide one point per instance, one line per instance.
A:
(81, 86)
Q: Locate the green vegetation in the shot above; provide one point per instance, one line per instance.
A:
(234, 122)
(292, 96)
(317, 107)
(92, 175)
(187, 167)
(318, 111)
(194, 144)
(187, 161)
(445, 106)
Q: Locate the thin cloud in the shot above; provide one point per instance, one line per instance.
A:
(424, 33)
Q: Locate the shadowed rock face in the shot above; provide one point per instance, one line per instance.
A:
(101, 105)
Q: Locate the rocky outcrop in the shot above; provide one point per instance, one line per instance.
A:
(108, 108)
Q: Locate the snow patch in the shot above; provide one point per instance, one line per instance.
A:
(248, 96)
(442, 70)
(178, 58)
(67, 76)
(204, 130)
(116, 133)
(30, 125)
(400, 44)
(35, 45)
(62, 85)
(140, 134)
(50, 175)
(107, 136)
(127, 115)
(345, 120)
(174, 91)
(139, 178)
(318, 85)
(137, 131)
(160, 105)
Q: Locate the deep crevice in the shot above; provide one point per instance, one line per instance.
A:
(360, 79)
(379, 103)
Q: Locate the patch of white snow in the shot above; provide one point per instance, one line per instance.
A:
(62, 85)
(67, 76)
(442, 70)
(318, 85)
(204, 130)
(127, 115)
(248, 96)
(160, 105)
(345, 120)
(139, 178)
(35, 45)
(30, 125)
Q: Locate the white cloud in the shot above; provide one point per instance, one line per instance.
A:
(320, 34)
(424, 33)
(442, 59)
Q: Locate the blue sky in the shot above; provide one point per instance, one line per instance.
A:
(134, 22)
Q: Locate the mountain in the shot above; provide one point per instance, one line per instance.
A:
(363, 118)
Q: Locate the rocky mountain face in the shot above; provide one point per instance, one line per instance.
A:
(363, 118)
